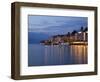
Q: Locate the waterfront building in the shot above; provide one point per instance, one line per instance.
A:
(80, 36)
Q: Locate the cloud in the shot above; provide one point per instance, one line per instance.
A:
(55, 24)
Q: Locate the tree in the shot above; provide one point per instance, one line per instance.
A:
(68, 34)
(86, 29)
(74, 31)
(81, 29)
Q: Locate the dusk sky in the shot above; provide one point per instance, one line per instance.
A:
(55, 24)
(43, 27)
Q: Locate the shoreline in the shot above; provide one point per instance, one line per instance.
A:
(69, 43)
(78, 43)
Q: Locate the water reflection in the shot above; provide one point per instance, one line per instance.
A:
(78, 53)
(40, 55)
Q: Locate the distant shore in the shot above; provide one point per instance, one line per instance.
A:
(78, 43)
(68, 43)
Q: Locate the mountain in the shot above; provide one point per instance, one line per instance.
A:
(35, 38)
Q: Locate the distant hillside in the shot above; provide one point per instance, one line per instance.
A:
(35, 38)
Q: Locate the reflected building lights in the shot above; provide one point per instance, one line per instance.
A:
(62, 55)
(79, 52)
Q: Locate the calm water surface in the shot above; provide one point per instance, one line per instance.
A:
(41, 55)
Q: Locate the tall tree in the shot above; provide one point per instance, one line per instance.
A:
(86, 29)
(68, 33)
(81, 28)
(74, 31)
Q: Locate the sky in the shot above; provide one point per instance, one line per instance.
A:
(44, 27)
(53, 25)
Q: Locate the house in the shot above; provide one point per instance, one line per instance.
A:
(80, 36)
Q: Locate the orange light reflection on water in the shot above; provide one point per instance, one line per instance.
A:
(56, 54)
(79, 52)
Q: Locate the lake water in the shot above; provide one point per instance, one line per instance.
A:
(42, 55)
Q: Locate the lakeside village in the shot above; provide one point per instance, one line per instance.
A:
(74, 38)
